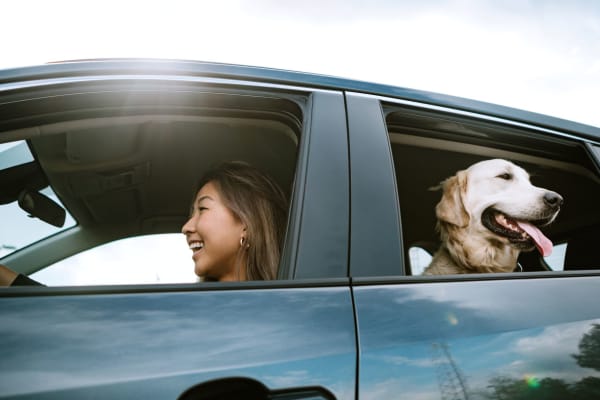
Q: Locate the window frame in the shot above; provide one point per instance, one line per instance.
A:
(368, 134)
(320, 185)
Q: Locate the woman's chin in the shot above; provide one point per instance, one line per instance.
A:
(204, 274)
(200, 271)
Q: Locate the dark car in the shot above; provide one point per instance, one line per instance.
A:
(117, 146)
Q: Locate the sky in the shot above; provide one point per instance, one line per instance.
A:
(536, 55)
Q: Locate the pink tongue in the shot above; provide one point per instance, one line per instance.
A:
(543, 244)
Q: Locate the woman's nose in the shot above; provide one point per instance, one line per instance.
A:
(188, 227)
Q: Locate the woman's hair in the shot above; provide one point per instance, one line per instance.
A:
(257, 201)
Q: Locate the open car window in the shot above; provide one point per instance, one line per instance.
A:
(125, 165)
(431, 154)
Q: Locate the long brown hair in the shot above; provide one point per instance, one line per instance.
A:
(256, 200)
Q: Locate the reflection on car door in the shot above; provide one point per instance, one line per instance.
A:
(157, 345)
(478, 338)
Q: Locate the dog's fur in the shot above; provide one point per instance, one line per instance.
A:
(470, 208)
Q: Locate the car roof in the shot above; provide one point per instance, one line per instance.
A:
(99, 67)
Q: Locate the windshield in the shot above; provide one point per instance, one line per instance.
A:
(18, 228)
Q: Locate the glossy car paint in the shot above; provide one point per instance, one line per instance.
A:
(493, 329)
(156, 345)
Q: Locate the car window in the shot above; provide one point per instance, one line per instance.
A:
(419, 259)
(19, 229)
(147, 259)
(433, 152)
(131, 171)
(14, 153)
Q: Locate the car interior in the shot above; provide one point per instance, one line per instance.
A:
(131, 169)
(430, 147)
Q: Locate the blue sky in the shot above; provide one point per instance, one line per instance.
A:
(541, 56)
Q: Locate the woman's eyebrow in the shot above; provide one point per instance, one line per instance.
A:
(205, 197)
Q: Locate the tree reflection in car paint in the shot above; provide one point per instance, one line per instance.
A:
(524, 363)
(498, 336)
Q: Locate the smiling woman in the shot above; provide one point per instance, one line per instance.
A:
(237, 222)
(247, 190)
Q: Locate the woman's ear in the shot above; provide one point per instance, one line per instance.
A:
(244, 242)
(451, 208)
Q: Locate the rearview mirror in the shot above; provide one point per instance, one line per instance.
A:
(42, 207)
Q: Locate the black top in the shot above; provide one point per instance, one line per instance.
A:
(22, 280)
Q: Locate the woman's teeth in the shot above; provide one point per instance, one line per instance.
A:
(196, 246)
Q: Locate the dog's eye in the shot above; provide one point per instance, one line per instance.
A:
(505, 176)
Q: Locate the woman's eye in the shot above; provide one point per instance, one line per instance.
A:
(505, 176)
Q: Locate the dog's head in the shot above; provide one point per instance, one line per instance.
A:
(495, 199)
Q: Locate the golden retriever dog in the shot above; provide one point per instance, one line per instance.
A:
(487, 215)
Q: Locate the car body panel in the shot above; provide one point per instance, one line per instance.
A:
(371, 190)
(157, 345)
(324, 191)
(425, 340)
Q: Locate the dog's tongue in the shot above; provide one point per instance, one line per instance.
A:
(543, 244)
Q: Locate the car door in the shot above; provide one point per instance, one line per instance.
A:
(530, 334)
(294, 336)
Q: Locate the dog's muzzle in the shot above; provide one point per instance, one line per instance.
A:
(524, 235)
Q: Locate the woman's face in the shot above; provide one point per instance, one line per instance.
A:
(213, 234)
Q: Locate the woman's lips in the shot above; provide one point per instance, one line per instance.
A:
(196, 247)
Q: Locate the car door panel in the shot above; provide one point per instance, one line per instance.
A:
(156, 345)
(474, 338)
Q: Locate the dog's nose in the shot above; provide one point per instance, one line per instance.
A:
(553, 199)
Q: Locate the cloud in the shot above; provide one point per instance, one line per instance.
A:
(413, 362)
(289, 378)
(390, 389)
(549, 353)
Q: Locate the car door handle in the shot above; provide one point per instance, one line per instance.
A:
(241, 388)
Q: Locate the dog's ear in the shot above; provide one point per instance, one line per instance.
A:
(451, 208)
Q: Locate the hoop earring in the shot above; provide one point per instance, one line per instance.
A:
(243, 243)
